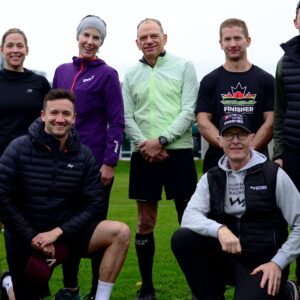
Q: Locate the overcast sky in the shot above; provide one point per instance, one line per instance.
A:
(191, 25)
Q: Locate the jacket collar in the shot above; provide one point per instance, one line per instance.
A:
(44, 140)
(292, 48)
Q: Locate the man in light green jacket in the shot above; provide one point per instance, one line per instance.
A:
(160, 95)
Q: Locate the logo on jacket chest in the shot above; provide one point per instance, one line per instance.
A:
(88, 79)
(258, 187)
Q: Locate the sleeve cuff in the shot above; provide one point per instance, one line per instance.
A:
(213, 230)
(280, 260)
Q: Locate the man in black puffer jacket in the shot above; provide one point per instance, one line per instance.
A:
(287, 112)
(50, 193)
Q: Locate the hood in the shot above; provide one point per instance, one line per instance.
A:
(45, 140)
(292, 48)
(9, 75)
(256, 158)
(88, 62)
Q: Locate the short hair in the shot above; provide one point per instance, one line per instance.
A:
(151, 20)
(57, 94)
(234, 22)
(13, 30)
(297, 8)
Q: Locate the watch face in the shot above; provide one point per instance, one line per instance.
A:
(163, 140)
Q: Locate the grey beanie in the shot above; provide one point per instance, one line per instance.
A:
(92, 21)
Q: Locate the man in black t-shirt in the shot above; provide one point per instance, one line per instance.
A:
(237, 86)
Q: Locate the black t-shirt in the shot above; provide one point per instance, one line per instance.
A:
(223, 92)
(21, 101)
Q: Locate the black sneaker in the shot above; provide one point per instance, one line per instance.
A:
(4, 295)
(146, 294)
(291, 291)
(66, 294)
(89, 296)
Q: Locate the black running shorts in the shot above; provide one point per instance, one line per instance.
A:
(177, 175)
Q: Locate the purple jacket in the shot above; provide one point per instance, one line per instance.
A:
(99, 105)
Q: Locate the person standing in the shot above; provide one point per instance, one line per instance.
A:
(99, 107)
(50, 193)
(237, 86)
(235, 228)
(21, 90)
(160, 94)
(287, 109)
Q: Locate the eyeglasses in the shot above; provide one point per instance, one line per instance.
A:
(228, 136)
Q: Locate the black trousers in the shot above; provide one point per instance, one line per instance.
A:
(208, 269)
(291, 165)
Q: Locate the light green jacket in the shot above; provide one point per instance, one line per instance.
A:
(160, 101)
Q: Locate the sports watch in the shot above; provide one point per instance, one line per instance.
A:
(163, 140)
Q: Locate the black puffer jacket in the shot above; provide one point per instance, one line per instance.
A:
(42, 188)
(290, 80)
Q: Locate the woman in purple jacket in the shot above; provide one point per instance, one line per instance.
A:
(99, 108)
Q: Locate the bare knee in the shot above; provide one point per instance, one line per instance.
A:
(147, 214)
(145, 225)
(109, 233)
(123, 234)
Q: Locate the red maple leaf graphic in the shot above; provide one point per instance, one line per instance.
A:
(238, 95)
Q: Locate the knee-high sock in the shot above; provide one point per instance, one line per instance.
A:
(145, 248)
(180, 205)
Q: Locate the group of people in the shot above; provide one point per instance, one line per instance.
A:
(57, 168)
(60, 146)
(241, 227)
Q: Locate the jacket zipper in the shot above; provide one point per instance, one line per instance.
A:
(76, 76)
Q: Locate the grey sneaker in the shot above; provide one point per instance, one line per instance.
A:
(66, 294)
(291, 291)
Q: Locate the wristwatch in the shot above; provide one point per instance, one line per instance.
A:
(163, 140)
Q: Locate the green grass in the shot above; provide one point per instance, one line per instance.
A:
(168, 278)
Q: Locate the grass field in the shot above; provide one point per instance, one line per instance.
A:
(168, 278)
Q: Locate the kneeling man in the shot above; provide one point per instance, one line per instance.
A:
(50, 199)
(235, 227)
